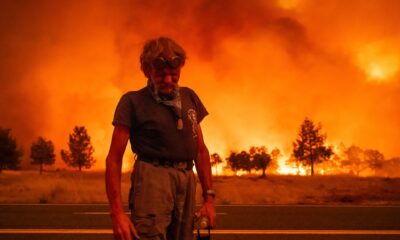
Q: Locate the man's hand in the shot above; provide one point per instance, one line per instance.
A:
(123, 227)
(203, 167)
(208, 209)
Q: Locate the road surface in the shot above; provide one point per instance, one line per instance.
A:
(238, 222)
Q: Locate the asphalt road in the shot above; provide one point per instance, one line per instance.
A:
(238, 222)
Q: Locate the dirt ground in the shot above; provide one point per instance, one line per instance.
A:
(88, 187)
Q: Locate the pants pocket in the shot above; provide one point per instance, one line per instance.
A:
(146, 225)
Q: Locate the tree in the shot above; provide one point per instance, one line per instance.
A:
(273, 165)
(391, 167)
(354, 159)
(374, 159)
(80, 150)
(233, 162)
(260, 158)
(42, 152)
(245, 162)
(239, 161)
(10, 154)
(215, 160)
(332, 166)
(309, 146)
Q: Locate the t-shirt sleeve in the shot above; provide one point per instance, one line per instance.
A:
(124, 112)
(201, 110)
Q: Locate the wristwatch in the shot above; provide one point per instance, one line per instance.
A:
(210, 192)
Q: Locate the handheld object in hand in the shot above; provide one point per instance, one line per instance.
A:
(203, 223)
(202, 237)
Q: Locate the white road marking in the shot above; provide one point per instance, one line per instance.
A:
(216, 232)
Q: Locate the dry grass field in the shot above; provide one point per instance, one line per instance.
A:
(88, 187)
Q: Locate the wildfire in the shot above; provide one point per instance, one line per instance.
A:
(286, 168)
(379, 63)
(290, 170)
(219, 170)
(261, 68)
(288, 4)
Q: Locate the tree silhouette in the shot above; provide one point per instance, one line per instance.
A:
(354, 159)
(215, 160)
(80, 150)
(391, 167)
(333, 165)
(309, 146)
(233, 162)
(260, 158)
(239, 161)
(273, 165)
(42, 152)
(10, 154)
(245, 162)
(374, 159)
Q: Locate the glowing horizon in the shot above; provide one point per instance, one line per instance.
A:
(259, 67)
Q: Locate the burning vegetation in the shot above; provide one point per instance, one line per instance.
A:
(309, 156)
(259, 66)
(309, 152)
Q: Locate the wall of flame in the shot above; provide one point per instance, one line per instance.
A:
(260, 67)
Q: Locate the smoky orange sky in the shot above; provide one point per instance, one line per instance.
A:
(260, 68)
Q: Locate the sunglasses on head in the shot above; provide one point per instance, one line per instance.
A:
(173, 62)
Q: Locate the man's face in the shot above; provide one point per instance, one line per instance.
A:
(165, 80)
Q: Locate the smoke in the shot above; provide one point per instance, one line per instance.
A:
(260, 68)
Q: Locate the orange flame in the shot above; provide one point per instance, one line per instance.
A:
(260, 67)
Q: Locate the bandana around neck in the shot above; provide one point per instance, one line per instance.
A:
(174, 103)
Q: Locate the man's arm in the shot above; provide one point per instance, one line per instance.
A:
(122, 225)
(203, 167)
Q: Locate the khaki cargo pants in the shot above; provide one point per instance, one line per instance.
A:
(162, 201)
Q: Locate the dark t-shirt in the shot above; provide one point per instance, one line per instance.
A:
(153, 126)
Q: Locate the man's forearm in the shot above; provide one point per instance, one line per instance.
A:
(113, 184)
(203, 167)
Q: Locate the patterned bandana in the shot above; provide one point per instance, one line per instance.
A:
(174, 103)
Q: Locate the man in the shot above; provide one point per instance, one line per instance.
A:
(162, 122)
